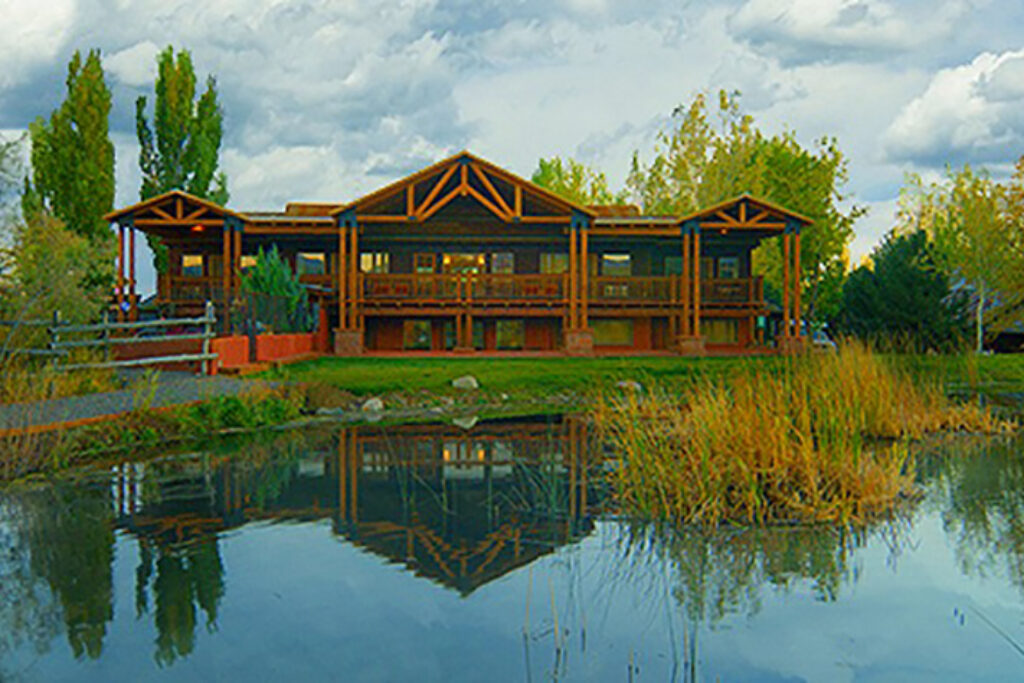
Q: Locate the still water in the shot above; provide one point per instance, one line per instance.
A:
(441, 553)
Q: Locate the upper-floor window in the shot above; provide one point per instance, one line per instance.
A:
(311, 263)
(616, 265)
(673, 265)
(192, 265)
(375, 262)
(729, 267)
(554, 263)
(503, 263)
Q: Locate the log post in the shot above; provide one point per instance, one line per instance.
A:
(120, 273)
(584, 279)
(797, 313)
(574, 278)
(685, 286)
(133, 297)
(696, 283)
(785, 285)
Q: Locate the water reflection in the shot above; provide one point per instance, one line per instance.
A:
(460, 508)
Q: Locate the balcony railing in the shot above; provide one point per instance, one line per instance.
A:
(448, 288)
(497, 290)
(668, 290)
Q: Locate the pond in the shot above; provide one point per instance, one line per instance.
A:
(488, 552)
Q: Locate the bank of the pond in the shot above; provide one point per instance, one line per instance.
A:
(538, 378)
(826, 441)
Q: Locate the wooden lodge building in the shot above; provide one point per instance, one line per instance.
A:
(465, 256)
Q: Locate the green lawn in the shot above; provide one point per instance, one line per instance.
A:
(547, 376)
(364, 376)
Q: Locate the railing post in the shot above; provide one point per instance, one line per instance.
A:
(106, 336)
(207, 327)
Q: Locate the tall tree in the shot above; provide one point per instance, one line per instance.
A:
(904, 298)
(72, 155)
(697, 164)
(575, 181)
(181, 149)
(968, 219)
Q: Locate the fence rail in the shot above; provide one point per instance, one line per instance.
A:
(58, 348)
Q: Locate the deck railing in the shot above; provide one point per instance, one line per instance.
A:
(492, 289)
(449, 288)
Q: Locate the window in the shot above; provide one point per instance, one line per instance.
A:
(510, 334)
(554, 263)
(673, 265)
(375, 262)
(729, 267)
(416, 335)
(192, 265)
(613, 332)
(616, 265)
(310, 263)
(707, 267)
(423, 264)
(719, 330)
(247, 262)
(503, 263)
(463, 263)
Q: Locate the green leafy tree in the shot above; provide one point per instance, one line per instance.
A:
(976, 239)
(73, 157)
(181, 149)
(275, 297)
(575, 181)
(697, 164)
(904, 298)
(42, 247)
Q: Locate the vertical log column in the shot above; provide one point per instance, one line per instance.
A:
(786, 327)
(354, 294)
(225, 277)
(574, 279)
(695, 332)
(342, 277)
(797, 313)
(584, 279)
(120, 273)
(236, 266)
(685, 287)
(133, 296)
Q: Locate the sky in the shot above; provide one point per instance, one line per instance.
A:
(327, 100)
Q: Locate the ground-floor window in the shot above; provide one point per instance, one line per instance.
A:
(311, 263)
(720, 330)
(192, 265)
(613, 331)
(416, 335)
(510, 334)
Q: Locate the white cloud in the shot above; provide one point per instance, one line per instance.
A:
(31, 34)
(135, 65)
(802, 31)
(973, 113)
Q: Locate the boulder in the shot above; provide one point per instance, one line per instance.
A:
(373, 405)
(630, 385)
(465, 422)
(466, 382)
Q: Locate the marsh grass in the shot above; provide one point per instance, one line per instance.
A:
(824, 440)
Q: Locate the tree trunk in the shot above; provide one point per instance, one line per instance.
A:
(979, 319)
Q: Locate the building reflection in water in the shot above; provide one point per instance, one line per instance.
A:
(459, 507)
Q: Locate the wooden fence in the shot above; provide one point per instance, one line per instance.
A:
(109, 335)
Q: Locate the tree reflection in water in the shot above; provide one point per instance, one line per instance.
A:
(980, 486)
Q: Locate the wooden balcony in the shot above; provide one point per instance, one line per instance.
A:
(667, 291)
(483, 290)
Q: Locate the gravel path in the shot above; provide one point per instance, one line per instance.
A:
(173, 388)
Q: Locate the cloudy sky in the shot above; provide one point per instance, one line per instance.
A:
(327, 99)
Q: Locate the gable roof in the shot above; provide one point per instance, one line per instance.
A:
(763, 204)
(155, 203)
(444, 169)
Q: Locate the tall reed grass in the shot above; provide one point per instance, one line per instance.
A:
(825, 438)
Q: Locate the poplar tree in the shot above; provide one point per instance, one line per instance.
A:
(72, 155)
(181, 149)
(575, 181)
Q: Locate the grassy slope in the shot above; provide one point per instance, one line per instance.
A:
(368, 376)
